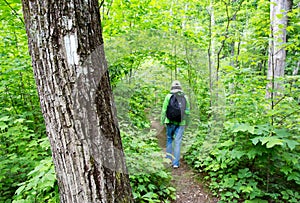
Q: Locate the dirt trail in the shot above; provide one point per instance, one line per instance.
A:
(188, 189)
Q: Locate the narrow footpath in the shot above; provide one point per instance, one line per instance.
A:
(188, 188)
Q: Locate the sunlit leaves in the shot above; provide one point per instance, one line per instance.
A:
(245, 127)
(40, 186)
(283, 138)
(149, 178)
(269, 141)
(170, 34)
(21, 123)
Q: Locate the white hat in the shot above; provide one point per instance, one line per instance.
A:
(176, 87)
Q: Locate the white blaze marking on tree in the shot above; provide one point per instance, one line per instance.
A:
(71, 49)
(70, 25)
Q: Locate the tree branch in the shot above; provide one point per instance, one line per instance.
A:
(281, 121)
(14, 11)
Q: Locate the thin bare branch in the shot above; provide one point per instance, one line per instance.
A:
(14, 11)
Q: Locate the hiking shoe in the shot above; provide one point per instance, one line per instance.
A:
(175, 166)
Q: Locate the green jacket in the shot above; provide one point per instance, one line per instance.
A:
(165, 120)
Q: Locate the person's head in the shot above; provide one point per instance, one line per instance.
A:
(176, 87)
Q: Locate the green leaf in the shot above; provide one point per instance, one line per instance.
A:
(281, 26)
(279, 16)
(294, 176)
(245, 127)
(282, 132)
(151, 187)
(142, 188)
(3, 126)
(228, 194)
(150, 195)
(291, 144)
(244, 173)
(275, 141)
(237, 154)
(256, 201)
(228, 143)
(255, 140)
(20, 120)
(20, 189)
(262, 129)
(256, 151)
(229, 182)
(5, 118)
(264, 140)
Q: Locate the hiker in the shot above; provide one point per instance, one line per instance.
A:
(175, 114)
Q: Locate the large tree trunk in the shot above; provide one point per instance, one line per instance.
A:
(277, 52)
(66, 46)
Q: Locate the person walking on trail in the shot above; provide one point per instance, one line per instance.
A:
(175, 114)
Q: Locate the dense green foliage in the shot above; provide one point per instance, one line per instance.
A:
(149, 176)
(253, 159)
(246, 149)
(22, 131)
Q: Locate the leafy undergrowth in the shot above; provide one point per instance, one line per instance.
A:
(26, 169)
(41, 185)
(150, 179)
(251, 165)
(249, 148)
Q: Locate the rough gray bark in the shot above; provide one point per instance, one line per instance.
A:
(66, 46)
(277, 52)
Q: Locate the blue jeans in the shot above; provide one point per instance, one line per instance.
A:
(174, 132)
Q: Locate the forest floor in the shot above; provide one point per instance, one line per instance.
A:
(189, 189)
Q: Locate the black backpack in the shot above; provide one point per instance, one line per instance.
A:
(176, 107)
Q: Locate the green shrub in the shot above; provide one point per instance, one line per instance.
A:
(149, 177)
(41, 185)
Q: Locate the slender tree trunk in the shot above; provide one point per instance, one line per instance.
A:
(66, 46)
(296, 69)
(233, 43)
(277, 52)
(211, 53)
